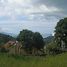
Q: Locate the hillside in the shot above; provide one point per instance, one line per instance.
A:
(33, 61)
(48, 39)
(5, 38)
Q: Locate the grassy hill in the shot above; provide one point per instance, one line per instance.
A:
(27, 61)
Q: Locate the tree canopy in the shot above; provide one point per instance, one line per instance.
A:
(38, 40)
(30, 39)
(61, 31)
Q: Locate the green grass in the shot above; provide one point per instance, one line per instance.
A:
(33, 61)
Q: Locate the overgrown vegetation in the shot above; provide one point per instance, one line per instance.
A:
(61, 33)
(59, 43)
(31, 40)
(33, 61)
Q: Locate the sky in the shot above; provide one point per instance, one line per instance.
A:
(36, 15)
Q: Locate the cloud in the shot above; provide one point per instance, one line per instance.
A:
(46, 25)
(42, 9)
(61, 5)
(23, 9)
(36, 15)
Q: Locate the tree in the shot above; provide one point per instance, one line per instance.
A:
(61, 32)
(25, 37)
(38, 40)
(30, 40)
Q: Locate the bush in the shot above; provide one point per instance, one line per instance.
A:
(3, 50)
(52, 48)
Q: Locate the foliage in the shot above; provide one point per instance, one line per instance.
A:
(52, 48)
(38, 40)
(61, 31)
(25, 37)
(30, 40)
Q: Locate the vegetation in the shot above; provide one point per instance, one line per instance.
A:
(33, 61)
(38, 41)
(61, 32)
(52, 48)
(5, 38)
(31, 40)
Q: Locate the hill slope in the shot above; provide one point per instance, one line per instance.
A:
(5, 38)
(48, 39)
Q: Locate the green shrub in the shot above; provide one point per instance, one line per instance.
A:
(52, 48)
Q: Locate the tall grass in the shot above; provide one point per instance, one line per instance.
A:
(33, 61)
